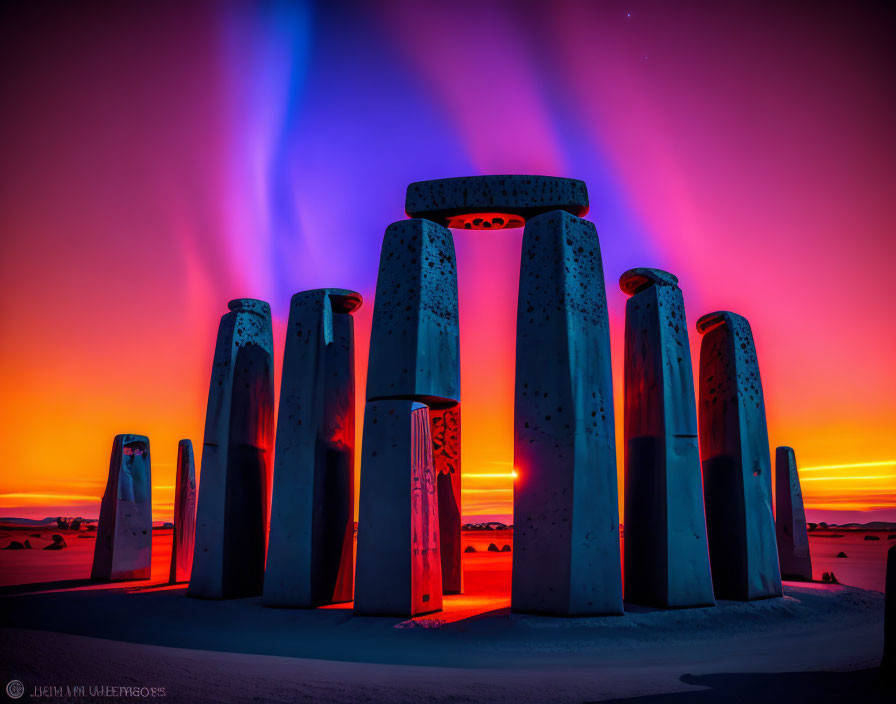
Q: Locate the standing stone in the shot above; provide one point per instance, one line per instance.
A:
(737, 478)
(790, 518)
(184, 514)
(123, 549)
(414, 341)
(566, 515)
(445, 429)
(399, 568)
(415, 355)
(312, 512)
(666, 553)
(888, 664)
(231, 521)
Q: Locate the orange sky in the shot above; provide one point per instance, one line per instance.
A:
(158, 164)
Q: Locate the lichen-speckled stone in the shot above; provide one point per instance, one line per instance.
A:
(123, 549)
(565, 510)
(312, 510)
(790, 518)
(184, 514)
(399, 568)
(231, 519)
(445, 428)
(414, 341)
(526, 196)
(737, 482)
(666, 553)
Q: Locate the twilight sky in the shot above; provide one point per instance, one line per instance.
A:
(159, 159)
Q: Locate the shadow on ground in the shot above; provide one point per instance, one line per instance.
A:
(786, 687)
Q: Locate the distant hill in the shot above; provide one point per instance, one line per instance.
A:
(873, 525)
(489, 525)
(29, 521)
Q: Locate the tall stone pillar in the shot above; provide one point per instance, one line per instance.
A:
(123, 549)
(666, 553)
(310, 552)
(231, 521)
(399, 568)
(566, 517)
(415, 355)
(734, 450)
(790, 518)
(184, 514)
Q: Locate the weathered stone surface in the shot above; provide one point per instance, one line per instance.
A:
(790, 518)
(737, 481)
(184, 514)
(414, 341)
(399, 569)
(415, 355)
(312, 512)
(231, 520)
(888, 664)
(123, 549)
(566, 517)
(445, 428)
(494, 202)
(666, 553)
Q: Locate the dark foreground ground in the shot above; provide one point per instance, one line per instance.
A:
(818, 644)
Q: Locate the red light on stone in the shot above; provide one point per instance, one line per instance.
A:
(485, 221)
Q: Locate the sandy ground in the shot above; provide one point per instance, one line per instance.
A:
(864, 567)
(819, 644)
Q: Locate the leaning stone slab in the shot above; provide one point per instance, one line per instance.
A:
(311, 543)
(184, 514)
(790, 518)
(666, 553)
(566, 516)
(414, 341)
(231, 520)
(123, 549)
(399, 568)
(494, 202)
(737, 481)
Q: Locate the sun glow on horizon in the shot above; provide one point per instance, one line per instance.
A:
(818, 468)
